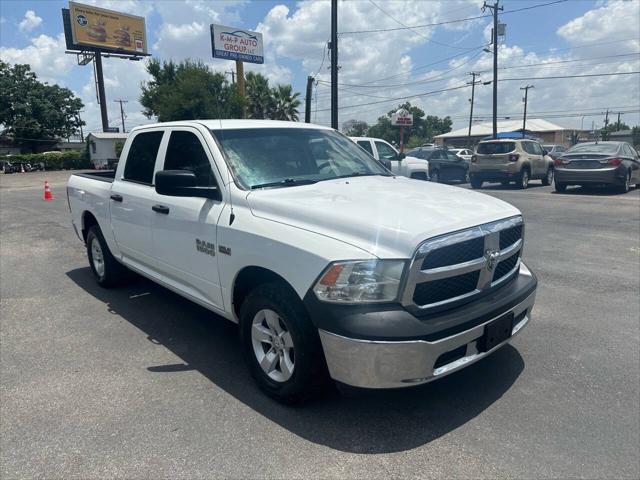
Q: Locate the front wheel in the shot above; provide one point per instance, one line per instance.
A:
(281, 346)
(548, 178)
(523, 182)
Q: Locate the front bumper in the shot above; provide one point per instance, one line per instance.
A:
(611, 175)
(378, 362)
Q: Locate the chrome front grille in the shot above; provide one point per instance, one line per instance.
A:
(454, 268)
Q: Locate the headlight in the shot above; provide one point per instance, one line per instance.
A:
(363, 281)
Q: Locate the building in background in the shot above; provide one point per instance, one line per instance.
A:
(102, 148)
(547, 132)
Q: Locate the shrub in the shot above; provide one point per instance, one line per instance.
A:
(71, 160)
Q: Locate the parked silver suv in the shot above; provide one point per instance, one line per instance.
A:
(510, 160)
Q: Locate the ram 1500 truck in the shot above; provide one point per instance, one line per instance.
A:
(331, 265)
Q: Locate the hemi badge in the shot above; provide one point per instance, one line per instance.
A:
(225, 250)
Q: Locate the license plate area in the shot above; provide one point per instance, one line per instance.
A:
(496, 332)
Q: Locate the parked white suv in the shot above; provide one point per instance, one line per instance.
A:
(330, 265)
(401, 164)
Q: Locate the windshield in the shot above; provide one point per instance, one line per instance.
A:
(606, 148)
(261, 157)
(493, 148)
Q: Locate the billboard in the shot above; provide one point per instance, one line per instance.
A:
(107, 30)
(233, 43)
(402, 118)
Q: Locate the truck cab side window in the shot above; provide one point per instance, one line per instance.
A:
(386, 152)
(141, 158)
(366, 144)
(185, 152)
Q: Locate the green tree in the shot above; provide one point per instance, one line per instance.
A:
(285, 103)
(33, 113)
(613, 127)
(423, 129)
(188, 90)
(635, 136)
(355, 128)
(259, 95)
(118, 148)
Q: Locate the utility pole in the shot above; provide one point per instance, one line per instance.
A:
(494, 8)
(334, 64)
(618, 125)
(80, 122)
(233, 75)
(524, 118)
(473, 89)
(102, 98)
(605, 134)
(307, 100)
(122, 112)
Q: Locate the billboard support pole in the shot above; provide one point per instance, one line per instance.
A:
(101, 95)
(401, 138)
(240, 78)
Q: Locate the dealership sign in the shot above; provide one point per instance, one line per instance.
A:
(233, 43)
(402, 118)
(106, 30)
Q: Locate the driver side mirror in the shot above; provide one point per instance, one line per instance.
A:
(183, 183)
(545, 152)
(401, 156)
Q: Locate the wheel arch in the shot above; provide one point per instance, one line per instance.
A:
(88, 221)
(247, 279)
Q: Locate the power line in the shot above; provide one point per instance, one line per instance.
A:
(448, 22)
(570, 76)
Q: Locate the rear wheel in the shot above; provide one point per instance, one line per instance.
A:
(476, 183)
(281, 346)
(548, 178)
(106, 269)
(624, 188)
(560, 187)
(523, 181)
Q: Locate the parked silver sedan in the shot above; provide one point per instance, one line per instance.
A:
(593, 163)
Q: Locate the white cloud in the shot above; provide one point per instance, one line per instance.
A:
(46, 56)
(30, 21)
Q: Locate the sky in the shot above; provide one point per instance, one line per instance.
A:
(378, 70)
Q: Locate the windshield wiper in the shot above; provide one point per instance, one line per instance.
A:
(287, 182)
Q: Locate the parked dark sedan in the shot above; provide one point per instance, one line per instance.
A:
(608, 163)
(444, 165)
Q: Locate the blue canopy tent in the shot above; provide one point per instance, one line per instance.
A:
(515, 134)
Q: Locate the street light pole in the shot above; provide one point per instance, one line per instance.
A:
(524, 118)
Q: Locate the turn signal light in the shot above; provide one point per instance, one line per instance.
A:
(474, 159)
(558, 162)
(514, 157)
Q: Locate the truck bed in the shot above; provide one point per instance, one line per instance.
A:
(103, 175)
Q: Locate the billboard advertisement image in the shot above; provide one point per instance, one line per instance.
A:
(233, 43)
(105, 29)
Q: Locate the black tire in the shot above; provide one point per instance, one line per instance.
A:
(419, 176)
(435, 176)
(548, 178)
(309, 371)
(111, 272)
(626, 185)
(523, 180)
(476, 183)
(560, 187)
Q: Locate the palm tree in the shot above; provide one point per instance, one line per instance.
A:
(285, 103)
(259, 95)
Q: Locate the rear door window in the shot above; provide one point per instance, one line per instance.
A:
(496, 148)
(141, 158)
(366, 144)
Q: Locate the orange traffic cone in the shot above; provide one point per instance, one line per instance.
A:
(48, 196)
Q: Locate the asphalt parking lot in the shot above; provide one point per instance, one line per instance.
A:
(139, 383)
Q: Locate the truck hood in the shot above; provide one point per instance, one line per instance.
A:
(386, 216)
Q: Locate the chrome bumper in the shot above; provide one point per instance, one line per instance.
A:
(380, 364)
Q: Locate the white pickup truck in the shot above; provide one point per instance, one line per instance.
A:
(332, 266)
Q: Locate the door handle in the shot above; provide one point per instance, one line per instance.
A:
(116, 198)
(160, 209)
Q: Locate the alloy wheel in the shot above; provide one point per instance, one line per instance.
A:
(273, 345)
(97, 258)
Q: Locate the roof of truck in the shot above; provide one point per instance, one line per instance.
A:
(232, 124)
